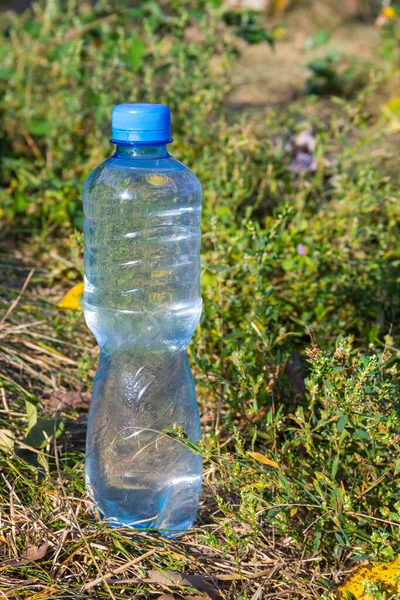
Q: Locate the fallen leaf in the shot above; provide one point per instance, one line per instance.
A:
(171, 578)
(165, 577)
(263, 459)
(72, 299)
(200, 583)
(166, 597)
(65, 400)
(33, 552)
(387, 574)
(6, 440)
(13, 562)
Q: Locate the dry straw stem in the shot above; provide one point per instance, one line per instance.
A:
(18, 298)
(120, 569)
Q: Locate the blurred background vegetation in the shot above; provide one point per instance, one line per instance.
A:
(289, 114)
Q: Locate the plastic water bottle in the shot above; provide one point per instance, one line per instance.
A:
(142, 302)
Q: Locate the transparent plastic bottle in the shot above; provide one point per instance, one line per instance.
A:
(142, 302)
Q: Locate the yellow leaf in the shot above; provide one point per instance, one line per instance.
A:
(385, 573)
(263, 459)
(157, 180)
(6, 440)
(72, 299)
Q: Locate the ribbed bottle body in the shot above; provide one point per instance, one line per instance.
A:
(142, 302)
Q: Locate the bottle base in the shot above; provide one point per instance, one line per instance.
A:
(170, 512)
(111, 512)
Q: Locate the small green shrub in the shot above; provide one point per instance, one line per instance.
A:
(330, 76)
(248, 25)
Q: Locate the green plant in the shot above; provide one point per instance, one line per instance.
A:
(330, 77)
(248, 25)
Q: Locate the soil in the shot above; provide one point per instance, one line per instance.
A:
(269, 77)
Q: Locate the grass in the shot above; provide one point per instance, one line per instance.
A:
(296, 359)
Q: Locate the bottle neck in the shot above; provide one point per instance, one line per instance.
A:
(133, 151)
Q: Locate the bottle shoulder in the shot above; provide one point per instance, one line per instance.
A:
(129, 178)
(119, 168)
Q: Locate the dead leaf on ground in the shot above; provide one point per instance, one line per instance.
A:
(33, 552)
(65, 400)
(73, 298)
(165, 577)
(13, 562)
(199, 582)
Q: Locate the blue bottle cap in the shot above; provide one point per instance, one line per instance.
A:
(141, 124)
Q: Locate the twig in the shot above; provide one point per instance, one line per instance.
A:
(357, 514)
(14, 328)
(17, 299)
(4, 399)
(33, 146)
(108, 575)
(374, 484)
(54, 354)
(78, 31)
(12, 413)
